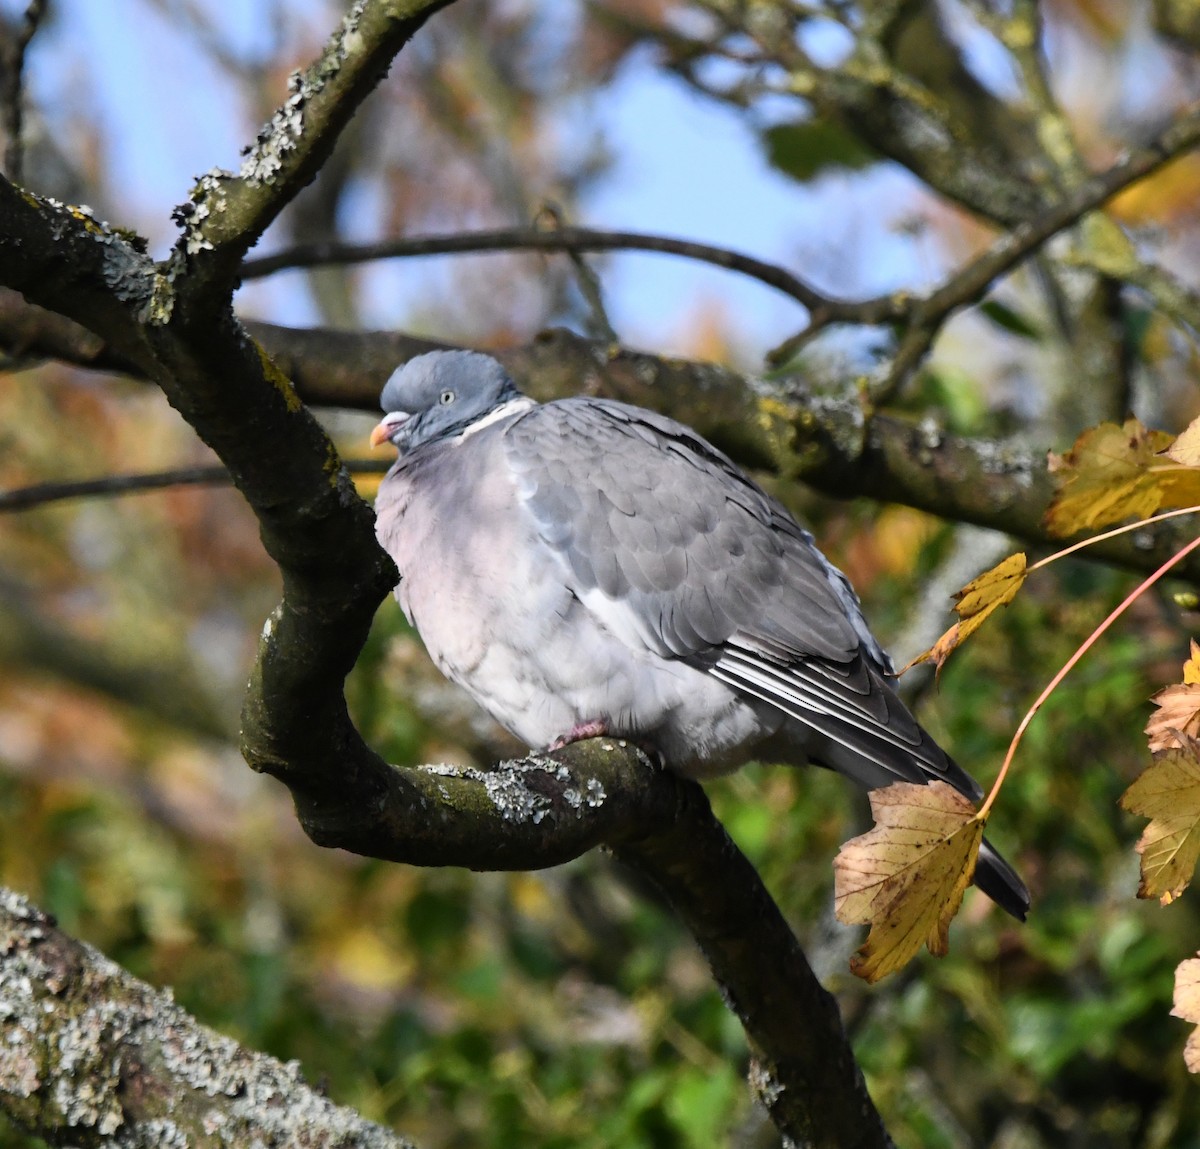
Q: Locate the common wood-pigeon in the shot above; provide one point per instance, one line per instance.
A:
(585, 566)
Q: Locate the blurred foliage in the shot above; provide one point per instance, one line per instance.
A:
(566, 1008)
(809, 147)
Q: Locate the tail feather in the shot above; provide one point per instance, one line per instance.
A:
(996, 878)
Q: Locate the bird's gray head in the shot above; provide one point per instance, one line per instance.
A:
(440, 394)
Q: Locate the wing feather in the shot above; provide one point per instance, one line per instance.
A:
(671, 545)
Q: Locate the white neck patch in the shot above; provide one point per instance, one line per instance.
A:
(512, 407)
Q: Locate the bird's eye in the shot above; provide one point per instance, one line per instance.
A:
(446, 397)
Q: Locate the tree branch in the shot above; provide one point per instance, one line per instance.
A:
(569, 239)
(42, 494)
(165, 687)
(924, 315)
(793, 1024)
(882, 103)
(821, 441)
(921, 317)
(226, 213)
(832, 444)
(94, 1057)
(12, 94)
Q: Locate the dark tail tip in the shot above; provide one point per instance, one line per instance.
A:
(996, 878)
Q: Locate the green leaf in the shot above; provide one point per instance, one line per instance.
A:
(806, 148)
(1009, 320)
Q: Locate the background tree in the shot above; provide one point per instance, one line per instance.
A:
(991, 253)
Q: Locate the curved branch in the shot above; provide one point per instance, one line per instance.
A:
(226, 213)
(548, 808)
(94, 1057)
(570, 239)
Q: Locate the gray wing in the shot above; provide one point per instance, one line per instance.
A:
(671, 546)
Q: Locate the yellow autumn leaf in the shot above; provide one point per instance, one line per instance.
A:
(1187, 1006)
(1162, 198)
(1168, 793)
(1178, 707)
(1114, 473)
(906, 877)
(982, 595)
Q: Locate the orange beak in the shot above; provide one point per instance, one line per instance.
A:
(384, 430)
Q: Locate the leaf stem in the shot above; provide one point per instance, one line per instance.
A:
(1087, 644)
(1112, 535)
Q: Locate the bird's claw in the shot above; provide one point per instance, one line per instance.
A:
(581, 730)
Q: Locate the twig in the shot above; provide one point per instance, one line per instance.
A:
(1140, 525)
(574, 239)
(13, 96)
(39, 494)
(1021, 33)
(599, 325)
(973, 281)
(1178, 301)
(205, 32)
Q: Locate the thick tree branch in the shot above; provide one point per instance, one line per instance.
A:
(226, 213)
(93, 1057)
(827, 443)
(793, 1024)
(834, 445)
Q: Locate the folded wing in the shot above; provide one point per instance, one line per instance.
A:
(672, 547)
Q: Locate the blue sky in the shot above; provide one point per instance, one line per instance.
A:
(684, 167)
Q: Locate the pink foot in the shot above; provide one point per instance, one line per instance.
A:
(581, 730)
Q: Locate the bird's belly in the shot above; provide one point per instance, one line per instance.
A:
(541, 664)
